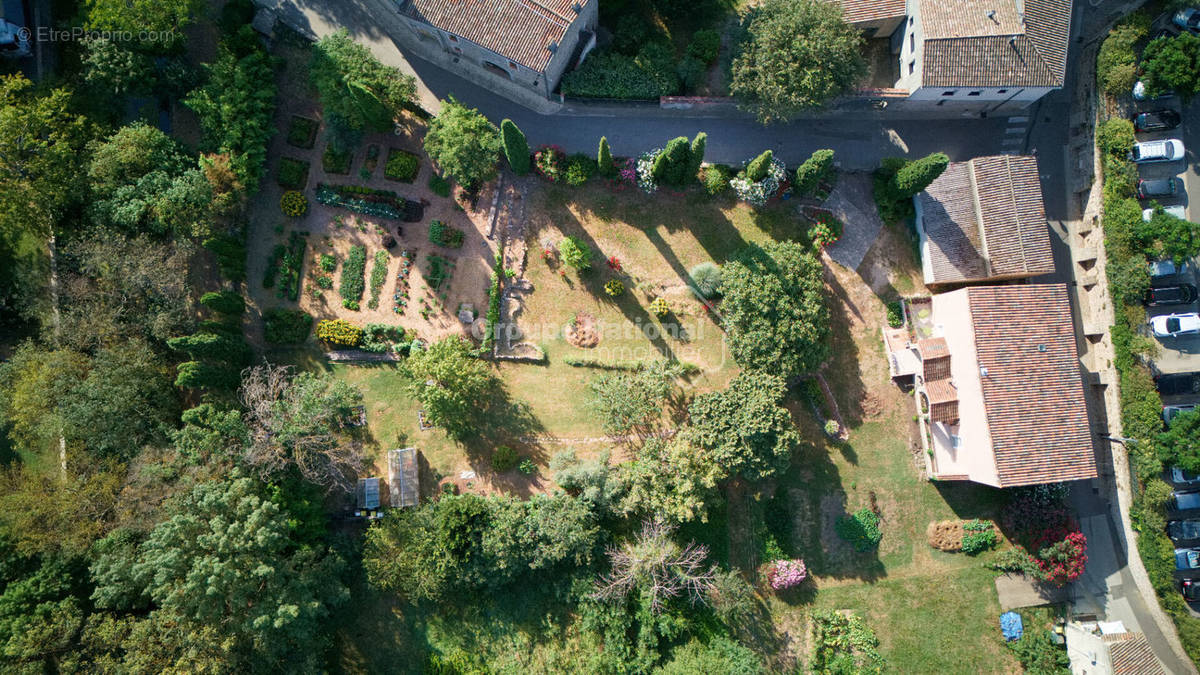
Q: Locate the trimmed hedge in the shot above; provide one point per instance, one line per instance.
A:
(401, 165)
(286, 326)
(647, 76)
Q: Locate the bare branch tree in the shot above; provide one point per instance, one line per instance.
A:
(301, 420)
(655, 564)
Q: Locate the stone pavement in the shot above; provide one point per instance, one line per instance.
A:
(1016, 591)
(852, 203)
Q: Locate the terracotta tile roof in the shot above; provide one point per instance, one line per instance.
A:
(1130, 654)
(983, 43)
(1033, 390)
(935, 369)
(932, 348)
(519, 30)
(940, 391)
(986, 212)
(862, 11)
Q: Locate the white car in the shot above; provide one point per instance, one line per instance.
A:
(1167, 150)
(1177, 211)
(1188, 19)
(1173, 325)
(1139, 93)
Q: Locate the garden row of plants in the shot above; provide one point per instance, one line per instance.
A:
(374, 337)
(284, 265)
(378, 277)
(1130, 243)
(369, 201)
(353, 277)
(442, 234)
(493, 312)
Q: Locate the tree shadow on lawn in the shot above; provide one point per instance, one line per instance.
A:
(843, 370)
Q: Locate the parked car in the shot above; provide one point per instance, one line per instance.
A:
(1156, 120)
(1178, 475)
(1178, 211)
(1157, 187)
(1167, 150)
(1185, 500)
(1181, 294)
(1161, 269)
(1139, 93)
(1177, 384)
(1191, 589)
(1188, 19)
(14, 37)
(1187, 558)
(1170, 412)
(1183, 530)
(1174, 325)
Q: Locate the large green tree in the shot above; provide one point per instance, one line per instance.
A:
(625, 401)
(464, 144)
(673, 479)
(1172, 64)
(41, 608)
(356, 90)
(774, 310)
(224, 568)
(744, 428)
(454, 387)
(797, 54)
(164, 19)
(1179, 445)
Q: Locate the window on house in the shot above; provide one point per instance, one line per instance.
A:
(912, 66)
(947, 93)
(912, 41)
(1001, 91)
(975, 93)
(956, 440)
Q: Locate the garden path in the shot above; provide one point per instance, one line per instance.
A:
(852, 203)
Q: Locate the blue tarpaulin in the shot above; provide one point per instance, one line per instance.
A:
(1010, 625)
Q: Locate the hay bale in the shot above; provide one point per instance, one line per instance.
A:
(946, 535)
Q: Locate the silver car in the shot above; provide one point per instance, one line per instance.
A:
(1167, 150)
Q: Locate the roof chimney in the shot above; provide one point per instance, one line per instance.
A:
(991, 14)
(553, 47)
(577, 7)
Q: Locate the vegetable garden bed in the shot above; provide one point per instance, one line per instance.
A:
(401, 166)
(302, 132)
(365, 200)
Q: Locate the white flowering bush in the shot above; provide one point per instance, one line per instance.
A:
(758, 193)
(645, 171)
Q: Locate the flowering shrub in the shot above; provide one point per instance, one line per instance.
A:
(785, 574)
(1063, 561)
(550, 162)
(575, 252)
(660, 307)
(645, 171)
(293, 204)
(614, 263)
(628, 171)
(832, 428)
(825, 230)
(339, 332)
(757, 193)
(614, 288)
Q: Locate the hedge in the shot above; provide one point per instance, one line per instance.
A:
(286, 326)
(647, 76)
(401, 165)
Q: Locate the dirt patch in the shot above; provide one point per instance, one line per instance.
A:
(945, 536)
(839, 554)
(872, 405)
(582, 331)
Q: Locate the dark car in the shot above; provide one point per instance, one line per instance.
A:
(1181, 294)
(1157, 187)
(1156, 120)
(1183, 530)
(1191, 589)
(1176, 384)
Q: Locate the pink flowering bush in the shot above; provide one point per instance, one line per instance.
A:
(784, 574)
(1062, 561)
(550, 162)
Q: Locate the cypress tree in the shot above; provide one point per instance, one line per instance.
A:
(699, 144)
(604, 158)
(917, 175)
(814, 170)
(516, 148)
(756, 170)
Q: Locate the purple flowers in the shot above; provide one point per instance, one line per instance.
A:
(784, 574)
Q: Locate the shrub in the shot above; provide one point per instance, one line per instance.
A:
(302, 132)
(1116, 64)
(550, 161)
(575, 252)
(826, 230)
(758, 192)
(916, 175)
(978, 536)
(647, 76)
(614, 288)
(1063, 561)
(816, 169)
(325, 282)
(659, 307)
(832, 428)
(504, 459)
(286, 326)
(230, 303)
(292, 174)
(1038, 652)
(1115, 136)
(527, 467)
(706, 280)
(716, 179)
(705, 45)
(401, 165)
(861, 529)
(202, 375)
(335, 160)
(756, 170)
(895, 314)
(439, 186)
(339, 333)
(516, 148)
(579, 170)
(380, 338)
(1017, 560)
(293, 204)
(691, 73)
(784, 574)
(353, 273)
(328, 262)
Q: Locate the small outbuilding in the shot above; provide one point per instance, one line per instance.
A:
(368, 497)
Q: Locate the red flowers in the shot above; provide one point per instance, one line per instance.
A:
(1063, 561)
(614, 263)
